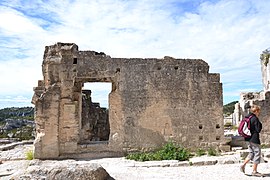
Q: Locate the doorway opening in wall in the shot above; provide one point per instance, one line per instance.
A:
(95, 126)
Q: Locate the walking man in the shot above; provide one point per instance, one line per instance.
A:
(254, 142)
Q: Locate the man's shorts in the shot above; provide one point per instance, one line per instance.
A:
(254, 152)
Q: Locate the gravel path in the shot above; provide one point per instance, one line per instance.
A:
(226, 167)
(122, 170)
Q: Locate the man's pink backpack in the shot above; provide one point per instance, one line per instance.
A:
(244, 127)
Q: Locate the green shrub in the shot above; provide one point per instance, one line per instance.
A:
(200, 152)
(228, 124)
(264, 146)
(29, 155)
(169, 151)
(212, 152)
(141, 156)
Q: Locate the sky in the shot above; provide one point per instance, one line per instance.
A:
(228, 34)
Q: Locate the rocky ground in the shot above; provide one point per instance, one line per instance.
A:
(226, 166)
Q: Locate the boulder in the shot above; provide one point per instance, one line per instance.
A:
(66, 169)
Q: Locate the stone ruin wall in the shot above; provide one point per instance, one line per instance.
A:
(265, 68)
(152, 101)
(259, 98)
(262, 99)
(94, 120)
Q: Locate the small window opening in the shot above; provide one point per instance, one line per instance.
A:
(176, 67)
(117, 70)
(99, 53)
(200, 126)
(95, 124)
(200, 138)
(218, 138)
(74, 60)
(159, 68)
(217, 126)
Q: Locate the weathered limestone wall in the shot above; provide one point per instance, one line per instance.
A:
(262, 99)
(265, 68)
(46, 115)
(265, 118)
(94, 120)
(152, 101)
(259, 98)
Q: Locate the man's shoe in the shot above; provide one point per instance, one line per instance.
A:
(257, 174)
(242, 169)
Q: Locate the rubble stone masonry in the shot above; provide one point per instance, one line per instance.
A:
(261, 98)
(152, 101)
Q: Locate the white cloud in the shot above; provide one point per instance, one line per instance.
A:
(13, 22)
(228, 34)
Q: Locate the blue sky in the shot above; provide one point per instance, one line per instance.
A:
(228, 34)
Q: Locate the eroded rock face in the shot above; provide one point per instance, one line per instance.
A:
(68, 169)
(95, 120)
(243, 108)
(16, 123)
(265, 69)
(261, 98)
(152, 101)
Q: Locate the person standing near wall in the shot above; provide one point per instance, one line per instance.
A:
(254, 142)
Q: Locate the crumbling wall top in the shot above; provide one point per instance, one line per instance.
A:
(54, 52)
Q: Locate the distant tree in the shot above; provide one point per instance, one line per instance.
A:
(228, 109)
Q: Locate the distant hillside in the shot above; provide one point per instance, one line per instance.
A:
(15, 112)
(229, 108)
(17, 123)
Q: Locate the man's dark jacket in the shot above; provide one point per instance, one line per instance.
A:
(255, 129)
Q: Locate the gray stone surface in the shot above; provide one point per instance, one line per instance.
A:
(226, 167)
(15, 151)
(67, 169)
